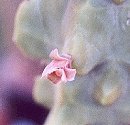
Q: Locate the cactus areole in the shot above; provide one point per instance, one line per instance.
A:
(89, 41)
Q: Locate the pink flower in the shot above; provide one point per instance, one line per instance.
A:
(60, 69)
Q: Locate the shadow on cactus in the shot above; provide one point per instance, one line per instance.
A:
(95, 34)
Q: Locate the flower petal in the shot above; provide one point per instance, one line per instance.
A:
(63, 77)
(49, 69)
(70, 74)
(67, 56)
(55, 55)
(60, 64)
(53, 66)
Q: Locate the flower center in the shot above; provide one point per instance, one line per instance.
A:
(58, 73)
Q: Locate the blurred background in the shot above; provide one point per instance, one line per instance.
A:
(17, 75)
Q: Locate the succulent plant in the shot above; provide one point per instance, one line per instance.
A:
(96, 34)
